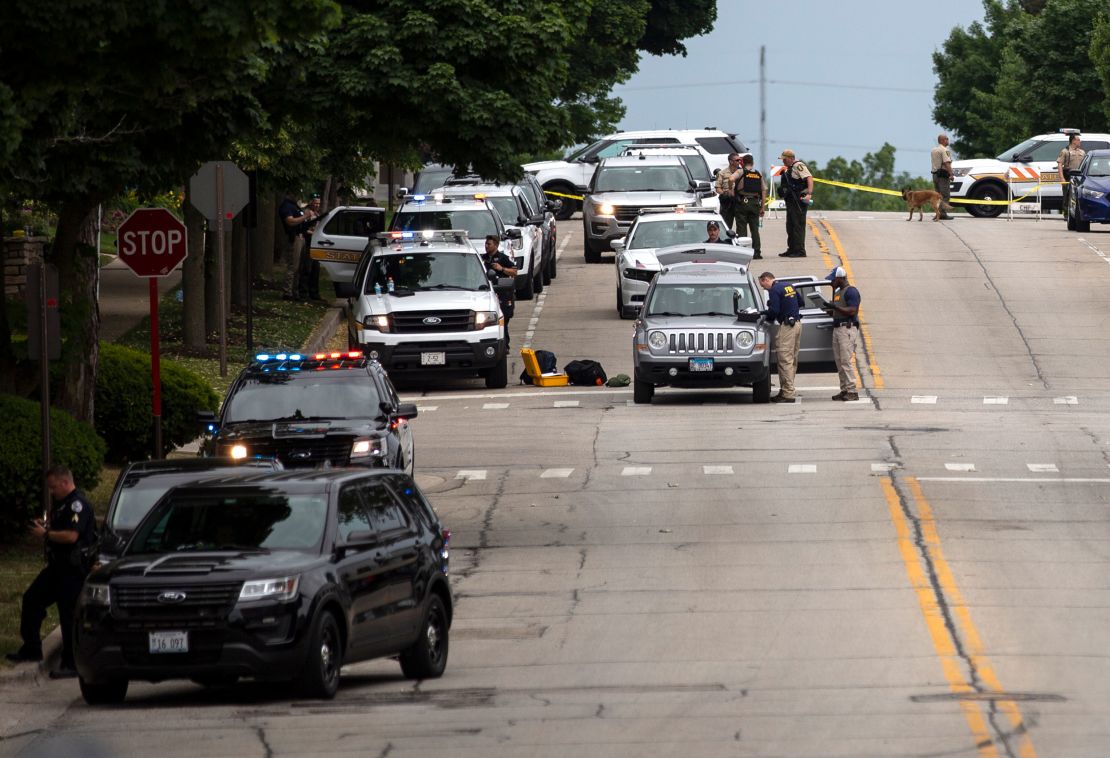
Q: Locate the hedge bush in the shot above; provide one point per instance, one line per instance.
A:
(73, 444)
(123, 403)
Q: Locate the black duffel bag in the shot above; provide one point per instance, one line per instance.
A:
(585, 372)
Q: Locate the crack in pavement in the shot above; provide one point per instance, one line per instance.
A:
(261, 733)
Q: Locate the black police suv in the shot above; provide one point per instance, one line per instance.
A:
(311, 411)
(141, 484)
(282, 577)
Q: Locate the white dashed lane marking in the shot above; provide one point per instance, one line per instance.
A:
(567, 403)
(556, 473)
(494, 406)
(636, 471)
(1066, 400)
(996, 400)
(882, 468)
(716, 470)
(471, 474)
(960, 466)
(426, 408)
(802, 468)
(924, 399)
(1043, 468)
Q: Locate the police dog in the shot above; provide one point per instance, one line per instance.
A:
(915, 199)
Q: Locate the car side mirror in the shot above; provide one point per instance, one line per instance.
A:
(555, 205)
(700, 185)
(406, 411)
(618, 244)
(344, 289)
(536, 220)
(401, 192)
(511, 234)
(504, 285)
(207, 421)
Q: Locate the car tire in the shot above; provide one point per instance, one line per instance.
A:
(497, 376)
(593, 250)
(552, 267)
(987, 191)
(1069, 219)
(547, 269)
(427, 657)
(761, 391)
(620, 302)
(537, 284)
(1082, 225)
(569, 205)
(320, 677)
(642, 392)
(112, 692)
(527, 292)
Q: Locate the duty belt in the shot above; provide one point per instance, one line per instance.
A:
(845, 323)
(749, 194)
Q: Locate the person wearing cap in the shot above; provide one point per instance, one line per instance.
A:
(751, 199)
(713, 230)
(941, 161)
(292, 219)
(1068, 161)
(783, 308)
(308, 273)
(500, 265)
(725, 188)
(796, 188)
(844, 310)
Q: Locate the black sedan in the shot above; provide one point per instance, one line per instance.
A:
(282, 577)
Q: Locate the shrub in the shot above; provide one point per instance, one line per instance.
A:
(73, 444)
(123, 403)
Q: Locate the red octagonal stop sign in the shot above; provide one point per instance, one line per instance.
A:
(151, 241)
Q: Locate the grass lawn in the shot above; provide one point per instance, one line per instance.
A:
(20, 563)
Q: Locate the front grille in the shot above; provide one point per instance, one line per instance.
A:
(702, 341)
(416, 322)
(137, 597)
(630, 212)
(302, 452)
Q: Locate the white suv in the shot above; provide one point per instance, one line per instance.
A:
(423, 302)
(1034, 159)
(571, 176)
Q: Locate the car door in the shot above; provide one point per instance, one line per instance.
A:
(339, 242)
(817, 326)
(402, 446)
(399, 558)
(360, 571)
(533, 231)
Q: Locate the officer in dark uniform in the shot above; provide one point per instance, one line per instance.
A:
(783, 307)
(69, 535)
(499, 265)
(751, 196)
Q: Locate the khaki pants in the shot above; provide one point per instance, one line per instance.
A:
(844, 350)
(291, 257)
(788, 341)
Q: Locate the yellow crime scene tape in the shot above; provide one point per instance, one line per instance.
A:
(967, 201)
(560, 194)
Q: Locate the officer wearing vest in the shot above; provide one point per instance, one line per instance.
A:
(499, 265)
(796, 188)
(783, 308)
(1068, 161)
(751, 198)
(68, 537)
(844, 310)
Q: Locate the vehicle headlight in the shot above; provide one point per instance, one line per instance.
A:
(98, 594)
(657, 340)
(270, 589)
(383, 323)
(369, 447)
(639, 274)
(482, 319)
(238, 452)
(1092, 194)
(745, 339)
(961, 171)
(604, 209)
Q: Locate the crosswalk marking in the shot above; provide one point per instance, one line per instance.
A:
(495, 406)
(1066, 400)
(996, 400)
(1043, 468)
(567, 403)
(426, 408)
(636, 471)
(802, 468)
(716, 470)
(471, 474)
(924, 399)
(960, 466)
(556, 473)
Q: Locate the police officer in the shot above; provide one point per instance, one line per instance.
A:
(783, 309)
(751, 199)
(726, 189)
(844, 310)
(71, 531)
(1068, 161)
(308, 272)
(292, 221)
(713, 234)
(796, 189)
(499, 265)
(940, 158)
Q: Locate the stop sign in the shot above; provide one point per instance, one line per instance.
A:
(151, 241)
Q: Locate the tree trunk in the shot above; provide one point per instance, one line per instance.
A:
(211, 303)
(237, 261)
(74, 253)
(326, 203)
(279, 233)
(192, 279)
(262, 241)
(331, 198)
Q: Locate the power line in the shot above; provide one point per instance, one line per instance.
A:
(869, 148)
(786, 82)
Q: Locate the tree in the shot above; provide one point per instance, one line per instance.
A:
(875, 170)
(1100, 56)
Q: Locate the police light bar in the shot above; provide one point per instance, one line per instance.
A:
(419, 198)
(297, 362)
(1069, 130)
(458, 236)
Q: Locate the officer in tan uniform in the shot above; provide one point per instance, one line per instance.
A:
(1068, 161)
(726, 189)
(941, 158)
(796, 189)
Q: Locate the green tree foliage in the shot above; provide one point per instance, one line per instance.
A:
(875, 170)
(1100, 56)
(1027, 71)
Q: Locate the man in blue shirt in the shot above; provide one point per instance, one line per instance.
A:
(293, 220)
(844, 310)
(783, 309)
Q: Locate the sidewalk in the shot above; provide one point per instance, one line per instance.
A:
(125, 298)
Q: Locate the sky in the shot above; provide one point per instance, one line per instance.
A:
(865, 66)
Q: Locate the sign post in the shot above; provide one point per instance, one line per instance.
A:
(152, 244)
(219, 190)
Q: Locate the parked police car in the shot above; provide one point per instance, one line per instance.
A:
(340, 239)
(313, 410)
(436, 212)
(278, 577)
(1032, 161)
(701, 324)
(1089, 200)
(422, 302)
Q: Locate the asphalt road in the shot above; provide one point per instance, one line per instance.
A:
(922, 573)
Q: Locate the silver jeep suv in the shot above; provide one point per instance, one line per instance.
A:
(622, 187)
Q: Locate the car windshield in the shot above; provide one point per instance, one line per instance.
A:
(582, 151)
(1034, 149)
(506, 208)
(1099, 167)
(293, 395)
(427, 271)
(478, 222)
(430, 178)
(255, 520)
(642, 178)
(698, 299)
(355, 224)
(653, 234)
(139, 494)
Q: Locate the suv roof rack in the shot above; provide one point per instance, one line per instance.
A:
(466, 179)
(425, 236)
(695, 209)
(630, 149)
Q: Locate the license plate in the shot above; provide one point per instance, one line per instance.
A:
(169, 642)
(433, 359)
(701, 364)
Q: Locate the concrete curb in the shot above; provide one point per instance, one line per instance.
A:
(324, 330)
(40, 672)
